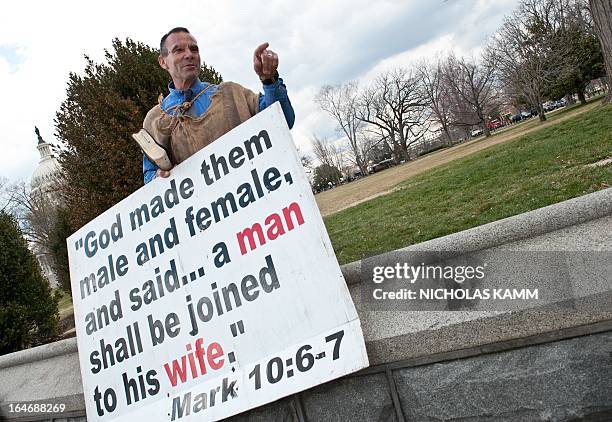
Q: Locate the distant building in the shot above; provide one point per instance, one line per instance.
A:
(43, 191)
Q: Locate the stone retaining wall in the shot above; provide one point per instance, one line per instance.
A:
(540, 363)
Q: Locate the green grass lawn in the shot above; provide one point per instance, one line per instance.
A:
(64, 305)
(542, 168)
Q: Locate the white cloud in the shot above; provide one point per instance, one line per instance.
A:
(318, 42)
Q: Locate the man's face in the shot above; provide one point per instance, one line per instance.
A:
(182, 60)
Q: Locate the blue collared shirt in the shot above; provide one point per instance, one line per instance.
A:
(272, 93)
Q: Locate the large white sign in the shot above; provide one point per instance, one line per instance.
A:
(213, 291)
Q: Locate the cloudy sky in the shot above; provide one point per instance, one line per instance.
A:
(318, 42)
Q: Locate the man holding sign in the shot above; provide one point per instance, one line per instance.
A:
(196, 113)
(215, 290)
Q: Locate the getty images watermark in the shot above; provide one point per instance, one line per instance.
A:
(411, 274)
(486, 280)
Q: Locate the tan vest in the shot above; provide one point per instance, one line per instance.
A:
(183, 135)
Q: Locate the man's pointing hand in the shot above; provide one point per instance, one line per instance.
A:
(265, 62)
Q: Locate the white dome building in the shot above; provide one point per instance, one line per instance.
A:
(44, 196)
(46, 176)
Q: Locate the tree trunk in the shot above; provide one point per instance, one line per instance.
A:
(449, 140)
(581, 96)
(541, 113)
(363, 168)
(602, 17)
(393, 146)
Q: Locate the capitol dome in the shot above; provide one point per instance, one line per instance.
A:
(44, 197)
(47, 173)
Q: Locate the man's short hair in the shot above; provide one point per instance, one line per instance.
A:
(162, 48)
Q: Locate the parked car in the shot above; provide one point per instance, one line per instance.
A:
(494, 124)
(516, 118)
(476, 132)
(549, 106)
(384, 164)
(526, 114)
(553, 105)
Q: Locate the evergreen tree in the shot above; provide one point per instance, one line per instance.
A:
(324, 175)
(104, 106)
(59, 250)
(580, 59)
(601, 11)
(28, 311)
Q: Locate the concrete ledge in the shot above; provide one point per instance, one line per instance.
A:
(48, 351)
(44, 374)
(498, 347)
(523, 226)
(478, 333)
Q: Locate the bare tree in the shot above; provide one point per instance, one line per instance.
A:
(327, 152)
(7, 197)
(396, 106)
(601, 11)
(305, 160)
(471, 86)
(340, 101)
(437, 96)
(528, 58)
(35, 213)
